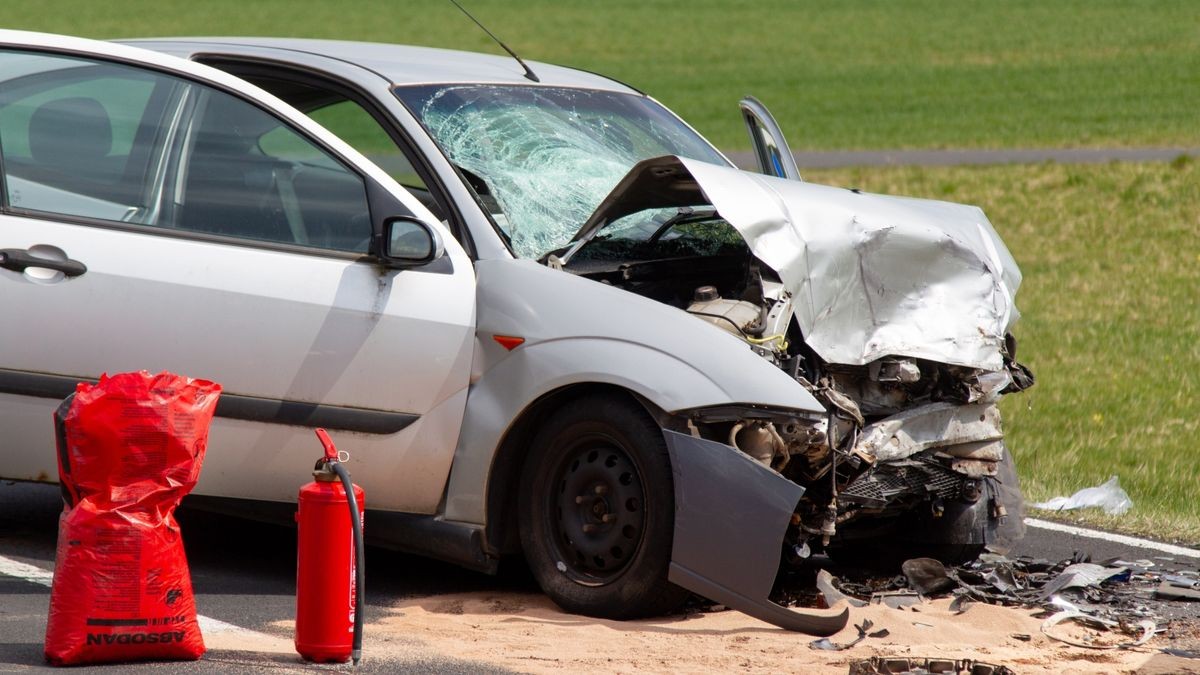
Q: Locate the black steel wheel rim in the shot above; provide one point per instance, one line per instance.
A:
(596, 510)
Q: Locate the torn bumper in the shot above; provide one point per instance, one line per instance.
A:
(731, 516)
(970, 432)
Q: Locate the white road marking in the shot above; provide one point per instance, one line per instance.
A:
(1114, 538)
(25, 571)
(37, 575)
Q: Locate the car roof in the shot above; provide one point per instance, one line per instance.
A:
(399, 64)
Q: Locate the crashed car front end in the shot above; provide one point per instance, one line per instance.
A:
(894, 313)
(890, 316)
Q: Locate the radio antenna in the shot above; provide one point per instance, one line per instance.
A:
(528, 71)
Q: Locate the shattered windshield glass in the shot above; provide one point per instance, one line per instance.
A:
(542, 159)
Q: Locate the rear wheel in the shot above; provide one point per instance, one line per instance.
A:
(597, 510)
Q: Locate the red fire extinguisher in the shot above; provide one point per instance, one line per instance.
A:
(330, 575)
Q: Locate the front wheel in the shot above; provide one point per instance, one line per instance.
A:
(597, 510)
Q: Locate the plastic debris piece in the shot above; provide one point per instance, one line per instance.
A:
(1108, 496)
(863, 633)
(1147, 628)
(1001, 578)
(1177, 591)
(927, 576)
(831, 594)
(961, 604)
(1081, 575)
(1023, 637)
(896, 599)
(905, 665)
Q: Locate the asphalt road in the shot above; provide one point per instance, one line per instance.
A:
(244, 574)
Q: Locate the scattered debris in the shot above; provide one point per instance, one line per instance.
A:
(896, 599)
(1178, 588)
(1109, 496)
(1080, 575)
(903, 665)
(1128, 599)
(960, 604)
(863, 633)
(927, 576)
(1147, 630)
(831, 594)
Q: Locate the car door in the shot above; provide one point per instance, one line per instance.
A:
(770, 147)
(165, 217)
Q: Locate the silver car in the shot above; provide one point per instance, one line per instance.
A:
(577, 332)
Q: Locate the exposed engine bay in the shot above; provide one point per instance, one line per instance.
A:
(911, 449)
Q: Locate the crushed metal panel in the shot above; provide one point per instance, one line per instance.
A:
(731, 514)
(871, 275)
(936, 425)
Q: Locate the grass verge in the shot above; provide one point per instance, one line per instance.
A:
(1111, 325)
(837, 74)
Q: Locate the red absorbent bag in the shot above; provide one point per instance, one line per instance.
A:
(129, 449)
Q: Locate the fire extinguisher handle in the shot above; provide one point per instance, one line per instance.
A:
(331, 452)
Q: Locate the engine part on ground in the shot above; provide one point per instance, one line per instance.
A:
(129, 448)
(330, 570)
(907, 665)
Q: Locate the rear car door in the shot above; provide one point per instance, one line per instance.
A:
(213, 232)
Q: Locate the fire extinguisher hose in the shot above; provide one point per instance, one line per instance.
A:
(360, 559)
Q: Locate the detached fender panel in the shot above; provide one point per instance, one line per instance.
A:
(731, 514)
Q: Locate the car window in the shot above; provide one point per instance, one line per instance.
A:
(72, 135)
(244, 173)
(120, 143)
(351, 122)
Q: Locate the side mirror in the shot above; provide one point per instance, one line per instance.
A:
(408, 242)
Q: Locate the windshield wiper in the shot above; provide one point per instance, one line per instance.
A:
(558, 259)
(682, 214)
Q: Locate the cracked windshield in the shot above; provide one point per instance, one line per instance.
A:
(542, 159)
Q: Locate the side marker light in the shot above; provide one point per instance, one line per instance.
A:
(509, 342)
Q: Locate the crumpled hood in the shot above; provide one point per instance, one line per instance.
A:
(871, 275)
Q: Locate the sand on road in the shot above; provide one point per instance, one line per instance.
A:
(527, 633)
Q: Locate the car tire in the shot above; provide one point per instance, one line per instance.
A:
(597, 510)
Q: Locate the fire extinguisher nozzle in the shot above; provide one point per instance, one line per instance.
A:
(356, 656)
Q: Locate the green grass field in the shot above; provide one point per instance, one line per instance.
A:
(1111, 324)
(837, 74)
(1110, 253)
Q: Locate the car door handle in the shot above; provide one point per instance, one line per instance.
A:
(18, 260)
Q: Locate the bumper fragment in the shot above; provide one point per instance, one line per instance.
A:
(731, 515)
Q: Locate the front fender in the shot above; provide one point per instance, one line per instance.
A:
(731, 514)
(578, 331)
(499, 396)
